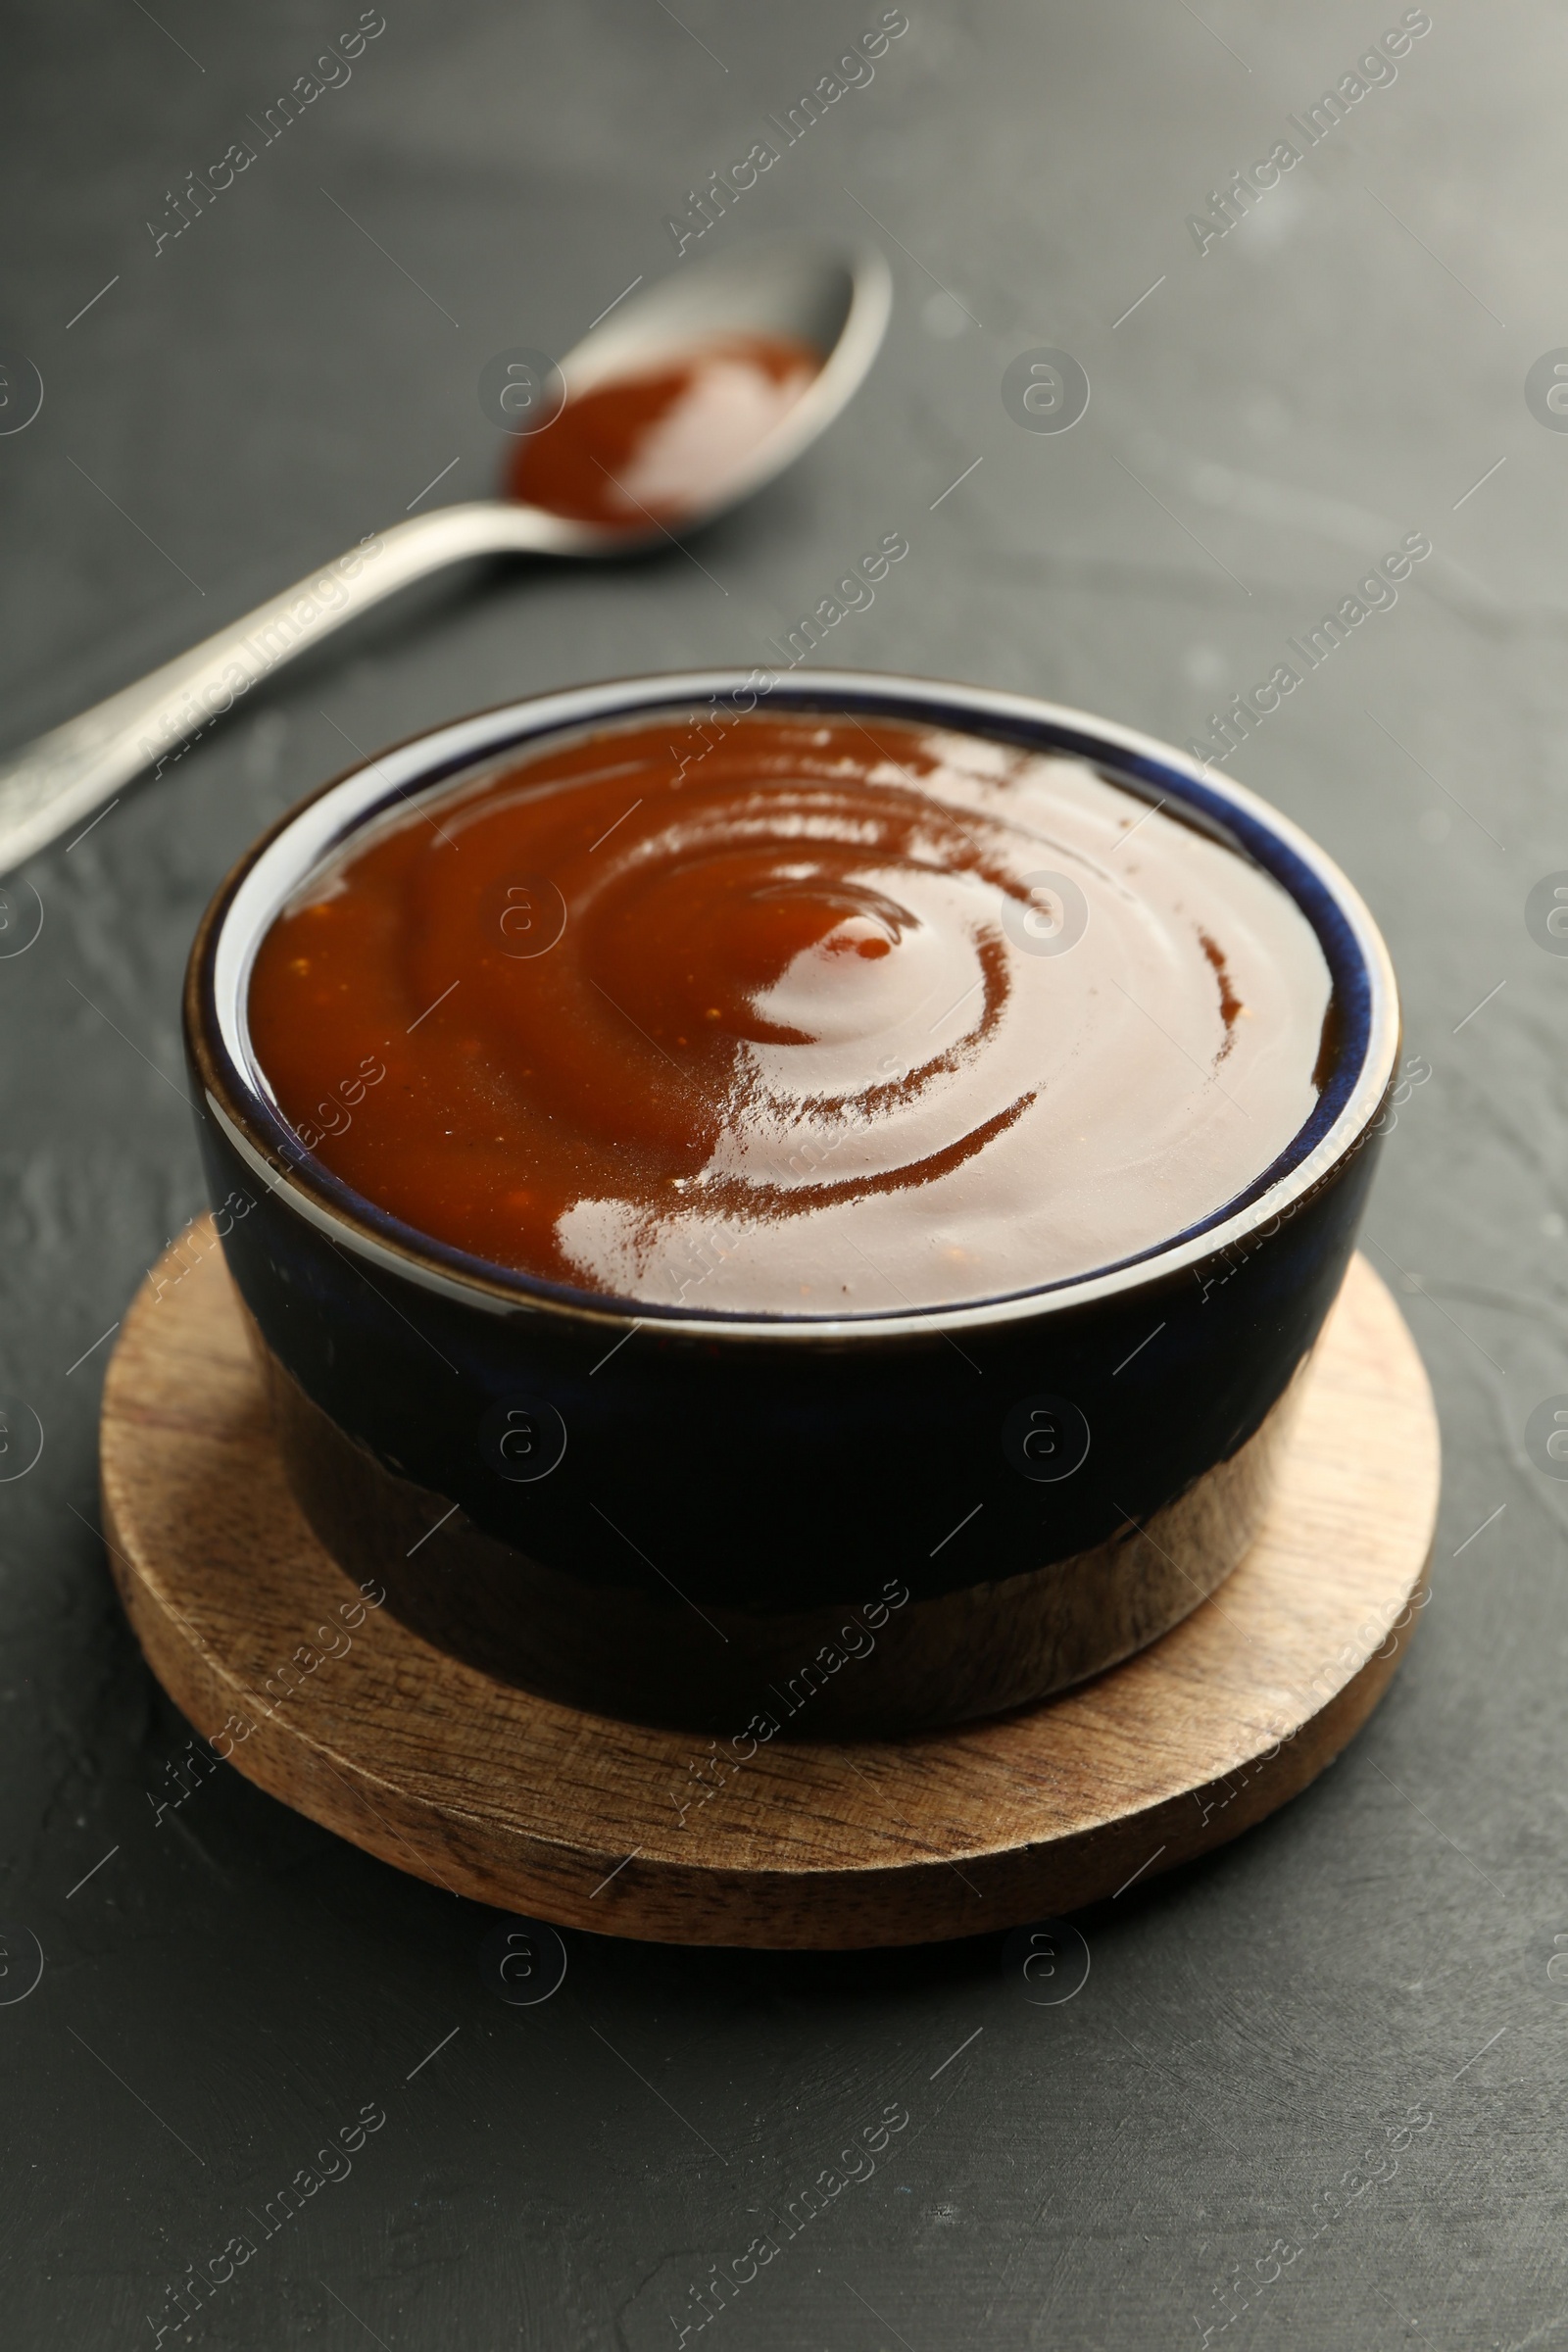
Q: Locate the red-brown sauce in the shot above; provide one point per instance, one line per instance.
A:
(655, 447)
(777, 1015)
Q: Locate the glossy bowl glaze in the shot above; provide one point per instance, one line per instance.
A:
(781, 1525)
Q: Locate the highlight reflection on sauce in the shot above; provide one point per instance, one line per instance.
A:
(788, 1021)
(658, 446)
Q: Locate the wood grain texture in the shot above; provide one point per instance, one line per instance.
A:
(629, 1830)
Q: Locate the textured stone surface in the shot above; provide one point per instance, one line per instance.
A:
(232, 1985)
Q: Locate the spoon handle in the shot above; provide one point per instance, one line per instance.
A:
(60, 779)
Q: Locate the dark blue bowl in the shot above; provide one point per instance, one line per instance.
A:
(768, 1524)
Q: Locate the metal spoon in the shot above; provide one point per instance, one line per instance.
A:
(835, 301)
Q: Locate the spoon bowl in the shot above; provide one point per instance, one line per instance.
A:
(833, 300)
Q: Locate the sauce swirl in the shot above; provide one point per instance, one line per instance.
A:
(807, 1016)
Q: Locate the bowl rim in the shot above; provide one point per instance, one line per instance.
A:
(432, 761)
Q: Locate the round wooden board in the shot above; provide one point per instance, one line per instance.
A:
(599, 1824)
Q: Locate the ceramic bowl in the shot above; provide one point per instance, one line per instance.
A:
(772, 1525)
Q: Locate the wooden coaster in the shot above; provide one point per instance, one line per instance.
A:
(600, 1824)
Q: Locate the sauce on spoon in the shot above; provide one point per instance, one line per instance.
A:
(649, 448)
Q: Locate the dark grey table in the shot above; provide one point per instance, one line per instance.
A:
(1200, 2147)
